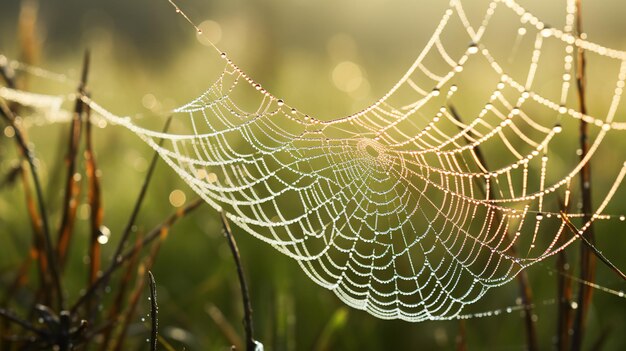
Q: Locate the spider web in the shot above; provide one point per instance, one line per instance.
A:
(395, 208)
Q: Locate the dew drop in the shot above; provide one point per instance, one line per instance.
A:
(280, 102)
(473, 48)
(223, 55)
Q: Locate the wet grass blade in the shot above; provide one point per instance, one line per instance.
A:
(72, 187)
(154, 310)
(160, 230)
(247, 305)
(28, 154)
(118, 304)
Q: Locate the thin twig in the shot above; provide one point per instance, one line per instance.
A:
(154, 310)
(72, 189)
(136, 294)
(95, 200)
(522, 277)
(120, 298)
(564, 291)
(461, 338)
(592, 248)
(24, 324)
(30, 158)
(117, 256)
(227, 330)
(38, 242)
(121, 259)
(247, 306)
(140, 198)
(587, 260)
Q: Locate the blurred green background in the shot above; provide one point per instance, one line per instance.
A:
(146, 59)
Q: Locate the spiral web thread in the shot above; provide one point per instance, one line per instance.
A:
(393, 208)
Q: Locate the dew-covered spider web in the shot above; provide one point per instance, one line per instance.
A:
(461, 176)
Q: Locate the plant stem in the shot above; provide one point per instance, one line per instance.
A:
(30, 158)
(587, 259)
(522, 278)
(154, 310)
(247, 306)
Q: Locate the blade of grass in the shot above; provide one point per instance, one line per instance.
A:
(38, 241)
(117, 256)
(336, 322)
(247, 305)
(136, 294)
(225, 327)
(154, 233)
(154, 318)
(461, 338)
(72, 188)
(140, 198)
(130, 311)
(11, 317)
(118, 304)
(94, 199)
(28, 154)
(20, 279)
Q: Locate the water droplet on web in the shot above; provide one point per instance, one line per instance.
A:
(223, 55)
(143, 319)
(280, 102)
(473, 48)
